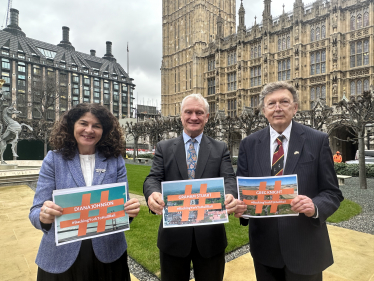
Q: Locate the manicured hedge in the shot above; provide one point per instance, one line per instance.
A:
(353, 170)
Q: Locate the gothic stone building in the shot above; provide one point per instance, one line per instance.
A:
(322, 48)
(79, 77)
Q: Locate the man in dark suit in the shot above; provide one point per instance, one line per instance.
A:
(293, 248)
(203, 245)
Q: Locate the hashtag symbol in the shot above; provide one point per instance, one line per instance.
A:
(188, 196)
(85, 219)
(262, 191)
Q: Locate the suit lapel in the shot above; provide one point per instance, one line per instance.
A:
(76, 170)
(204, 152)
(100, 169)
(295, 147)
(263, 149)
(179, 152)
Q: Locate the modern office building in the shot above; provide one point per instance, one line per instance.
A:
(77, 77)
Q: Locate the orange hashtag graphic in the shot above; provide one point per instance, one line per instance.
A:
(86, 207)
(262, 191)
(188, 196)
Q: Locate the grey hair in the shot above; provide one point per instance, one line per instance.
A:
(197, 97)
(275, 86)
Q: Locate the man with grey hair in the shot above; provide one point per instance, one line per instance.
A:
(293, 248)
(191, 156)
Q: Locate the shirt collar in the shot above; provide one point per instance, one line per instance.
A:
(286, 133)
(186, 137)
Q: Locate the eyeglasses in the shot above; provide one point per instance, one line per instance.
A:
(284, 104)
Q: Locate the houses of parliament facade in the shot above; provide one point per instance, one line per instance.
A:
(322, 48)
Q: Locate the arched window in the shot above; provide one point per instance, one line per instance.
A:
(366, 52)
(312, 35)
(323, 32)
(359, 87)
(318, 92)
(252, 53)
(366, 85)
(366, 19)
(284, 44)
(323, 92)
(255, 52)
(353, 22)
(259, 51)
(359, 21)
(353, 88)
(312, 97)
(279, 45)
(288, 42)
(317, 33)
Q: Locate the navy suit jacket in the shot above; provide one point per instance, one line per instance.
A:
(58, 173)
(301, 243)
(169, 164)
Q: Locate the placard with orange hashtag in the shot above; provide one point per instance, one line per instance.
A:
(268, 196)
(90, 211)
(194, 202)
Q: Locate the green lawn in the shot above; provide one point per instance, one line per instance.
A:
(142, 237)
(136, 175)
(347, 210)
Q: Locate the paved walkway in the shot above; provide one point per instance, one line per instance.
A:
(19, 242)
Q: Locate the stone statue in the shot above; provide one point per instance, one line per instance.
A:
(11, 132)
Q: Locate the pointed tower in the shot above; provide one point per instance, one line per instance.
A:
(241, 26)
(267, 19)
(298, 10)
(187, 29)
(220, 32)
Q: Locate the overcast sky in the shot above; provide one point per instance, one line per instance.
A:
(93, 22)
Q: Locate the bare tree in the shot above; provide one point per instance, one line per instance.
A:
(355, 114)
(317, 117)
(44, 95)
(136, 131)
(251, 120)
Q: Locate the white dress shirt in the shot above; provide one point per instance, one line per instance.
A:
(88, 166)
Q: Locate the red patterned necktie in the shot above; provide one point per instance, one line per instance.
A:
(278, 158)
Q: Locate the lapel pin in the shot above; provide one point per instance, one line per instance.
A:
(296, 152)
(100, 171)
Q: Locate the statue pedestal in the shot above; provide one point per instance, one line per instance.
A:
(8, 167)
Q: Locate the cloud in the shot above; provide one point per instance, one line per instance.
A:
(93, 22)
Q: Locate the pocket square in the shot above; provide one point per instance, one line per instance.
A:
(296, 152)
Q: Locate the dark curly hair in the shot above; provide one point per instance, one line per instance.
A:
(111, 143)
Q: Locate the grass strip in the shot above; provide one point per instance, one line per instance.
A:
(347, 210)
(136, 175)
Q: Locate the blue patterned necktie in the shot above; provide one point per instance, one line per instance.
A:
(191, 160)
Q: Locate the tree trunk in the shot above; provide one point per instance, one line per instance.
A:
(361, 159)
(135, 148)
(45, 145)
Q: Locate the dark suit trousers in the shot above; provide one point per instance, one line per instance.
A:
(205, 269)
(267, 273)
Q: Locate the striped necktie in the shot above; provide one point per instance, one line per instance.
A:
(191, 159)
(278, 158)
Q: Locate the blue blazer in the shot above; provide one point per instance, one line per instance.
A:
(58, 173)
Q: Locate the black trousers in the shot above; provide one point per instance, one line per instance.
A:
(267, 273)
(205, 269)
(88, 268)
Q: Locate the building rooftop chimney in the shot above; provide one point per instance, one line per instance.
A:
(109, 55)
(65, 43)
(13, 26)
(93, 53)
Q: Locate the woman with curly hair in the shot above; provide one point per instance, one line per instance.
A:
(88, 143)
